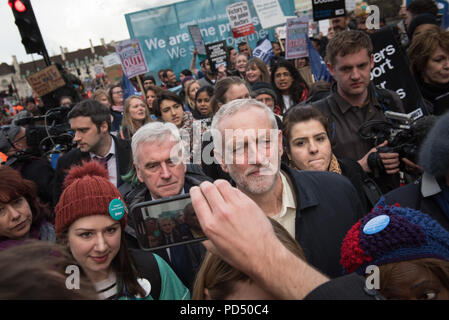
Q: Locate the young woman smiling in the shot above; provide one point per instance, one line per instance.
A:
(90, 221)
(136, 114)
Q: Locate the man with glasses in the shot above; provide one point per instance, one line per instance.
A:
(159, 160)
(27, 160)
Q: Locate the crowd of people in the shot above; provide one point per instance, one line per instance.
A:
(295, 203)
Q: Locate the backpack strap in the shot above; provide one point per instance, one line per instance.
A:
(147, 265)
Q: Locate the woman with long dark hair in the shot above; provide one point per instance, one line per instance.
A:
(288, 84)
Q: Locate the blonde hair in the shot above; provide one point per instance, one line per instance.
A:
(187, 85)
(128, 122)
(98, 93)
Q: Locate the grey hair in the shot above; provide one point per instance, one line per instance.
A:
(231, 108)
(154, 131)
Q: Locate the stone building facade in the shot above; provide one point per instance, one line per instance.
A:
(80, 63)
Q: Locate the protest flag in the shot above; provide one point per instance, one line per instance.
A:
(128, 88)
(264, 50)
(317, 64)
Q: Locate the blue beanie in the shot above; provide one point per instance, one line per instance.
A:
(393, 234)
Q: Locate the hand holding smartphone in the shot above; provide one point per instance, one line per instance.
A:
(166, 222)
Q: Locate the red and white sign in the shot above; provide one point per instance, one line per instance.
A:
(240, 19)
(131, 57)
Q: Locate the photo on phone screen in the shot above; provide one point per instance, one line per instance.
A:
(167, 222)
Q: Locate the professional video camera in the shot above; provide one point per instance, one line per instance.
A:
(404, 133)
(54, 136)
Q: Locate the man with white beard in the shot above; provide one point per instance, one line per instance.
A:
(316, 208)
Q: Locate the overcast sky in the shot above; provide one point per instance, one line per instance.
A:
(70, 23)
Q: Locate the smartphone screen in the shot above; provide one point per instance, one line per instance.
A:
(166, 222)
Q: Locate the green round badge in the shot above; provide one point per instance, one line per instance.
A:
(116, 209)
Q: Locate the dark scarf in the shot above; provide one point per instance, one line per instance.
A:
(198, 116)
(431, 92)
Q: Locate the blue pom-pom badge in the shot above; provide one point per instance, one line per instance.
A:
(376, 224)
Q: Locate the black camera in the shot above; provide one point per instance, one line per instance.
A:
(53, 136)
(404, 133)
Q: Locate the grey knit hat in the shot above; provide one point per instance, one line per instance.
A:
(434, 152)
(7, 135)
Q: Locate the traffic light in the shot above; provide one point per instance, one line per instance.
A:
(28, 27)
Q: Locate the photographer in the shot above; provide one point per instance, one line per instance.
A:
(14, 142)
(430, 194)
(354, 100)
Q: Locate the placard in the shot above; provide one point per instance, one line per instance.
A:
(114, 73)
(197, 39)
(165, 38)
(269, 12)
(46, 80)
(264, 51)
(131, 57)
(99, 71)
(240, 19)
(281, 32)
(217, 54)
(296, 43)
(111, 60)
(389, 62)
(328, 9)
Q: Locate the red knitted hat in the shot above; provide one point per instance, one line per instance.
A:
(87, 192)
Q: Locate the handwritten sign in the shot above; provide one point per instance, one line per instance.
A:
(46, 80)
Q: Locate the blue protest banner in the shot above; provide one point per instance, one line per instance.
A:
(164, 35)
(264, 50)
(128, 88)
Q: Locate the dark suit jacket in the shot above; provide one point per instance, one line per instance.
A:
(327, 206)
(75, 157)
